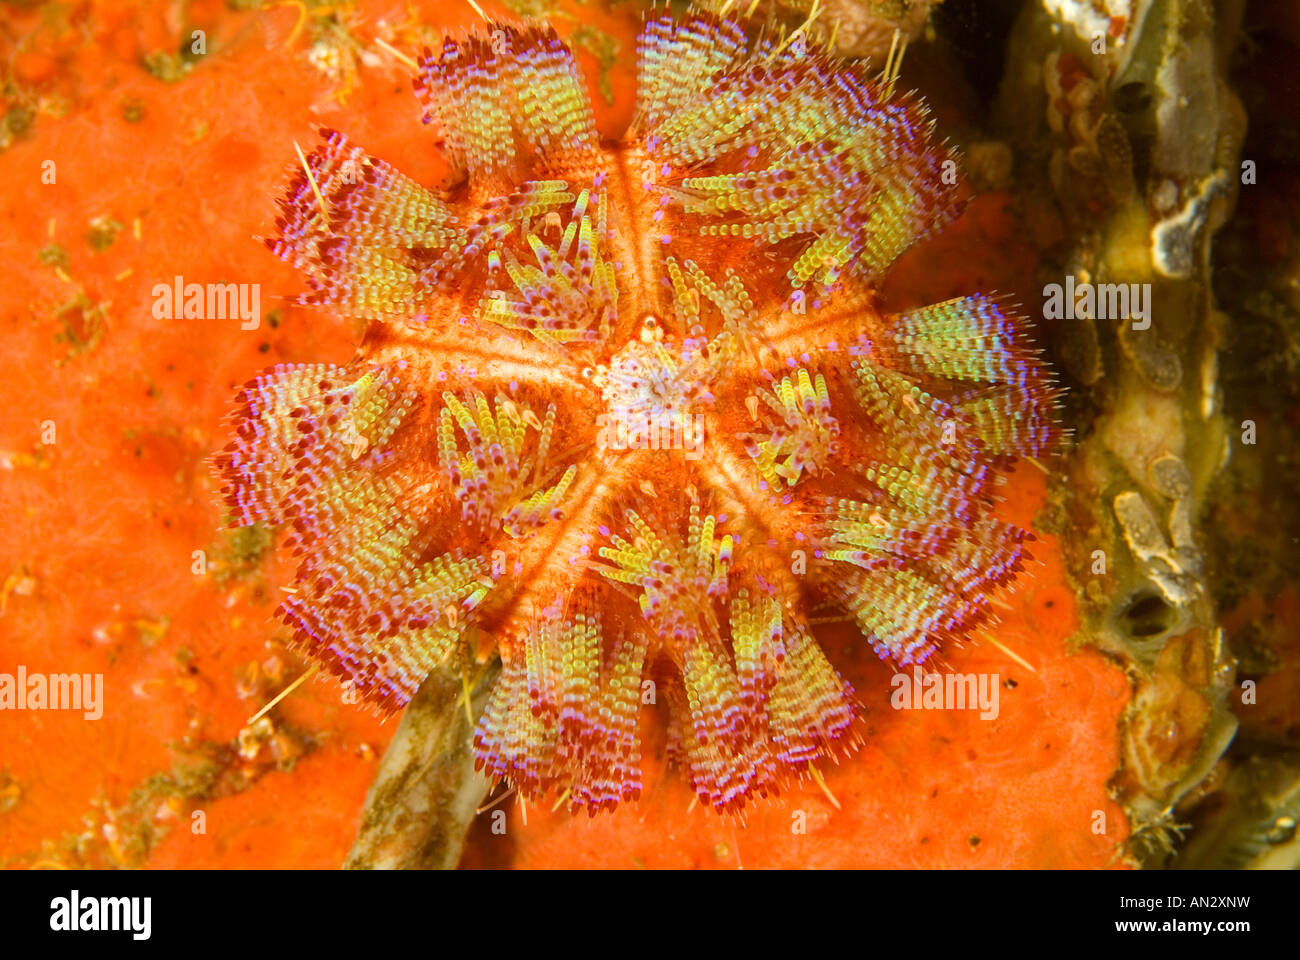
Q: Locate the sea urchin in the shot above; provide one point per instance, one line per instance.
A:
(631, 411)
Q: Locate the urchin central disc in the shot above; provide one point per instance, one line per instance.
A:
(654, 394)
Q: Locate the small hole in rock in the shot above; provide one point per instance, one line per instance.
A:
(1147, 615)
(1132, 97)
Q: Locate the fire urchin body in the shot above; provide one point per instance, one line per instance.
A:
(631, 411)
